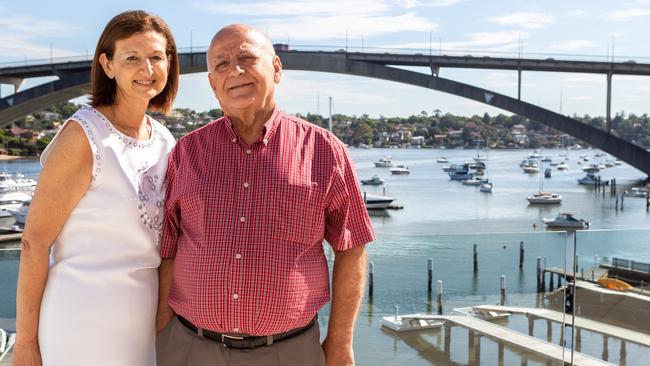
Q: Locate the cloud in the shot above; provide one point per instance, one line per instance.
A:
(574, 44)
(580, 98)
(319, 20)
(22, 37)
(582, 78)
(527, 20)
(578, 13)
(623, 15)
(506, 41)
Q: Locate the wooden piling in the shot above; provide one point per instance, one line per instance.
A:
(439, 298)
(531, 325)
(429, 274)
(622, 200)
(575, 271)
(502, 295)
(447, 338)
(475, 258)
(616, 202)
(477, 349)
(521, 255)
(578, 339)
(549, 330)
(501, 354)
(551, 284)
(470, 348)
(539, 274)
(647, 201)
(371, 275)
(623, 354)
(605, 355)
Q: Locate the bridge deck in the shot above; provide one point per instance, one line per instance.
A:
(580, 322)
(525, 342)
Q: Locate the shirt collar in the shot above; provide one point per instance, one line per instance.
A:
(268, 130)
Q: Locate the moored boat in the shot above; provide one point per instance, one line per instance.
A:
(566, 220)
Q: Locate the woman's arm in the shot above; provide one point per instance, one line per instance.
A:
(64, 179)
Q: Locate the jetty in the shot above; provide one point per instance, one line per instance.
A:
(527, 344)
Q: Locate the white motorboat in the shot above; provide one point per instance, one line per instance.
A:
(609, 164)
(546, 159)
(474, 182)
(639, 192)
(554, 163)
(442, 160)
(544, 198)
(535, 155)
(400, 169)
(374, 181)
(7, 341)
(486, 187)
(384, 162)
(591, 168)
(562, 166)
(566, 220)
(618, 162)
(16, 183)
(13, 200)
(531, 167)
(461, 175)
(376, 202)
(590, 180)
(403, 323)
(20, 213)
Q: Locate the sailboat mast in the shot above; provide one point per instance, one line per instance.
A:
(329, 122)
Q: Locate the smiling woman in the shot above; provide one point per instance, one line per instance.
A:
(88, 275)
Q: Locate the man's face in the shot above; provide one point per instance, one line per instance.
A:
(243, 72)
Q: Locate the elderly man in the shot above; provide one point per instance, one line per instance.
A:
(250, 199)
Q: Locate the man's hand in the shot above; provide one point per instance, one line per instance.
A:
(165, 314)
(26, 354)
(338, 353)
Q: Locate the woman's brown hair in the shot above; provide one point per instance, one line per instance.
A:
(123, 26)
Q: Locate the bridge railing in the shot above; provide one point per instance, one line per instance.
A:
(434, 50)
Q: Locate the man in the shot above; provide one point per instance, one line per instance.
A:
(250, 198)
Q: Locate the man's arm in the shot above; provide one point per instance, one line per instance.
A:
(347, 291)
(165, 313)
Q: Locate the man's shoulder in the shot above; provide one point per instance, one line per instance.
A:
(310, 128)
(202, 132)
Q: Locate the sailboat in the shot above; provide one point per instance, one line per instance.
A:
(542, 197)
(486, 186)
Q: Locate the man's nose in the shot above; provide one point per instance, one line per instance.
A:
(235, 69)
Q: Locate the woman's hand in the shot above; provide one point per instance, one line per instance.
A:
(26, 354)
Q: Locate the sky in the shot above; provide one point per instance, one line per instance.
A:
(580, 29)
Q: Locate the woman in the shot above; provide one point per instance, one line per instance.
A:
(98, 208)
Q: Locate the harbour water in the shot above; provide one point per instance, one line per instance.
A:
(442, 220)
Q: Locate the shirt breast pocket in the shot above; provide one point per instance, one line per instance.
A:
(298, 214)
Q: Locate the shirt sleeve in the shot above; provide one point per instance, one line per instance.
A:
(171, 220)
(347, 224)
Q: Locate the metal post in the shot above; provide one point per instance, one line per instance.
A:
(429, 274)
(475, 258)
(531, 325)
(439, 297)
(518, 84)
(549, 331)
(551, 285)
(521, 254)
(371, 275)
(609, 103)
(578, 339)
(502, 300)
(575, 271)
(622, 199)
(605, 354)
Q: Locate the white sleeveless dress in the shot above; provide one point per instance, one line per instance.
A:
(100, 301)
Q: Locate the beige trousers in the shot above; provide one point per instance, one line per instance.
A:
(176, 345)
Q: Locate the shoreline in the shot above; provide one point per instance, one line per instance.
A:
(4, 157)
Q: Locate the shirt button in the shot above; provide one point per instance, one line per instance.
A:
(265, 141)
(235, 296)
(242, 219)
(248, 151)
(246, 185)
(234, 140)
(237, 256)
(235, 330)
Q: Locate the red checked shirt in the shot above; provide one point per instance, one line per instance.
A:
(245, 224)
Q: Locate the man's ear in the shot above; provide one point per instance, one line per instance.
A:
(106, 65)
(213, 83)
(277, 66)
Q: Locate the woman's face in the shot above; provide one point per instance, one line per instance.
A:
(139, 66)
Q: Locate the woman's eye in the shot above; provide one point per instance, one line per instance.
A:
(132, 58)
